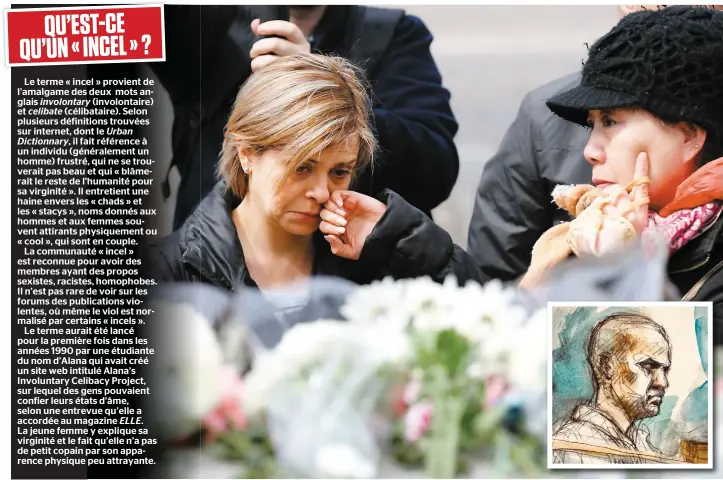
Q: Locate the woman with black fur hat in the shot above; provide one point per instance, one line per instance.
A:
(652, 96)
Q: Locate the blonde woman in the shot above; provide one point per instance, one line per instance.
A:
(298, 131)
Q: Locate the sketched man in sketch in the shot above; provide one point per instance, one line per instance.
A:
(629, 357)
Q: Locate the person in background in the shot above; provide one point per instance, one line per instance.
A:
(212, 50)
(539, 152)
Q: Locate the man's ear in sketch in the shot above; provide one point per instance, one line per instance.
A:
(605, 365)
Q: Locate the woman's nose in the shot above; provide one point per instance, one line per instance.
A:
(594, 151)
(319, 191)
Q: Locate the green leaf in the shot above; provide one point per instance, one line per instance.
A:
(452, 351)
(424, 348)
(234, 446)
(407, 454)
(526, 457)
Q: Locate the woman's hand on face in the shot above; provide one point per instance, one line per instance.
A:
(596, 234)
(267, 50)
(633, 205)
(347, 220)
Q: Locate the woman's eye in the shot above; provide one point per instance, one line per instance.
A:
(608, 122)
(303, 168)
(341, 172)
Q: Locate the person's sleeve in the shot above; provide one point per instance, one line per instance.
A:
(156, 265)
(511, 209)
(414, 121)
(406, 243)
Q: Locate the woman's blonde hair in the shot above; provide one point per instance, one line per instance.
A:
(301, 104)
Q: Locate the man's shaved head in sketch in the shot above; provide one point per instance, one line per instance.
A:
(629, 357)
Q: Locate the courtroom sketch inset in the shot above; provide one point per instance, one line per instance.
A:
(629, 384)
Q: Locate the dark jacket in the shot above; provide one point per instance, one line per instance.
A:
(513, 206)
(411, 111)
(206, 249)
(697, 271)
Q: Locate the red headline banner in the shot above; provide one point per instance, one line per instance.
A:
(61, 36)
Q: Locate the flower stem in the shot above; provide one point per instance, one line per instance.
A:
(503, 462)
(442, 444)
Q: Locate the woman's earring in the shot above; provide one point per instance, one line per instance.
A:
(245, 168)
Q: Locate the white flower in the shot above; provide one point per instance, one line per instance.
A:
(306, 347)
(396, 303)
(343, 461)
(488, 312)
(477, 371)
(380, 317)
(422, 296)
(302, 346)
(487, 316)
(390, 343)
(373, 303)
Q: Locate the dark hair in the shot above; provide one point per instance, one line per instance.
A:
(712, 148)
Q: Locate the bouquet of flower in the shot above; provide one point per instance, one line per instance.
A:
(325, 377)
(462, 394)
(431, 375)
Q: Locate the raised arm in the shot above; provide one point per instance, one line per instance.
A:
(414, 121)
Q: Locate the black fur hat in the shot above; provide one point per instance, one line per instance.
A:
(668, 62)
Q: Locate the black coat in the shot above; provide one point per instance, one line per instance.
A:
(411, 110)
(513, 206)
